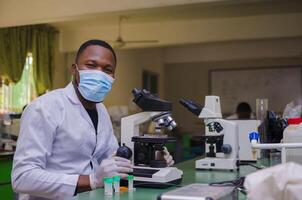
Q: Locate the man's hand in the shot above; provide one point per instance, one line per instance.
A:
(112, 166)
(168, 158)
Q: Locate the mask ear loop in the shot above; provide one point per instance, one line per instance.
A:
(77, 68)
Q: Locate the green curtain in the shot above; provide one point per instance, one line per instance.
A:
(44, 40)
(14, 46)
(16, 42)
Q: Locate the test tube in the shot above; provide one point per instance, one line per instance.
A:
(108, 186)
(116, 183)
(130, 182)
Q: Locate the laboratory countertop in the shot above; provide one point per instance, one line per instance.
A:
(190, 176)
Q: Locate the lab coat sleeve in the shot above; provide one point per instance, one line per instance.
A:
(37, 133)
(113, 145)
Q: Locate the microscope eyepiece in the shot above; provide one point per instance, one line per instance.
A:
(150, 102)
(193, 107)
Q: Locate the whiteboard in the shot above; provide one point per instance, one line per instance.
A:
(279, 85)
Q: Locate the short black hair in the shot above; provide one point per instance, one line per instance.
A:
(88, 43)
(243, 107)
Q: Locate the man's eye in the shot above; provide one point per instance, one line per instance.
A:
(90, 65)
(108, 70)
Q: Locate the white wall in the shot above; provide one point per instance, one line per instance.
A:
(187, 68)
(235, 50)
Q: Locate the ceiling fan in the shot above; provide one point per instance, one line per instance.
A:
(120, 42)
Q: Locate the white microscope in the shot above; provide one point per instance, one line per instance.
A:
(150, 168)
(221, 136)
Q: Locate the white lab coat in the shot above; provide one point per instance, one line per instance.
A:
(56, 144)
(280, 182)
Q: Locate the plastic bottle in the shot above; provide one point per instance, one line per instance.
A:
(130, 182)
(116, 183)
(108, 186)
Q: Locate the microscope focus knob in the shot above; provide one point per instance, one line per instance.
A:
(226, 149)
(124, 152)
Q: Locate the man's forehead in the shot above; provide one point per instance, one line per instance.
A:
(95, 52)
(96, 49)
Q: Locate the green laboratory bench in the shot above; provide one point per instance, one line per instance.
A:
(6, 160)
(191, 175)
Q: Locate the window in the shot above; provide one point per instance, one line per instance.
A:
(14, 97)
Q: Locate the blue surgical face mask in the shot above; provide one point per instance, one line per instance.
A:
(94, 85)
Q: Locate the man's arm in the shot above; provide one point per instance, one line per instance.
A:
(29, 174)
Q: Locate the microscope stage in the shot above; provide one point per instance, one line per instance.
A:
(156, 177)
(144, 172)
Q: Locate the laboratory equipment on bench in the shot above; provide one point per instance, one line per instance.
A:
(282, 134)
(150, 168)
(198, 191)
(221, 136)
(246, 152)
(271, 131)
(285, 147)
(271, 128)
(293, 134)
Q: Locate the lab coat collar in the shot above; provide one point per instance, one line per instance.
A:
(71, 93)
(73, 97)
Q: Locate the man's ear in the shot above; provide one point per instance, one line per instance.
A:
(73, 69)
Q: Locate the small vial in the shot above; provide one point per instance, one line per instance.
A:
(116, 183)
(108, 186)
(130, 182)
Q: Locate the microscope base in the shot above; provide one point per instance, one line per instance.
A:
(217, 163)
(156, 177)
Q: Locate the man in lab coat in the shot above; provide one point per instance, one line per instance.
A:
(66, 143)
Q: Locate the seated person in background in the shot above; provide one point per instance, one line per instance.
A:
(243, 111)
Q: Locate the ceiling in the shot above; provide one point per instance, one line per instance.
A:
(219, 9)
(172, 22)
